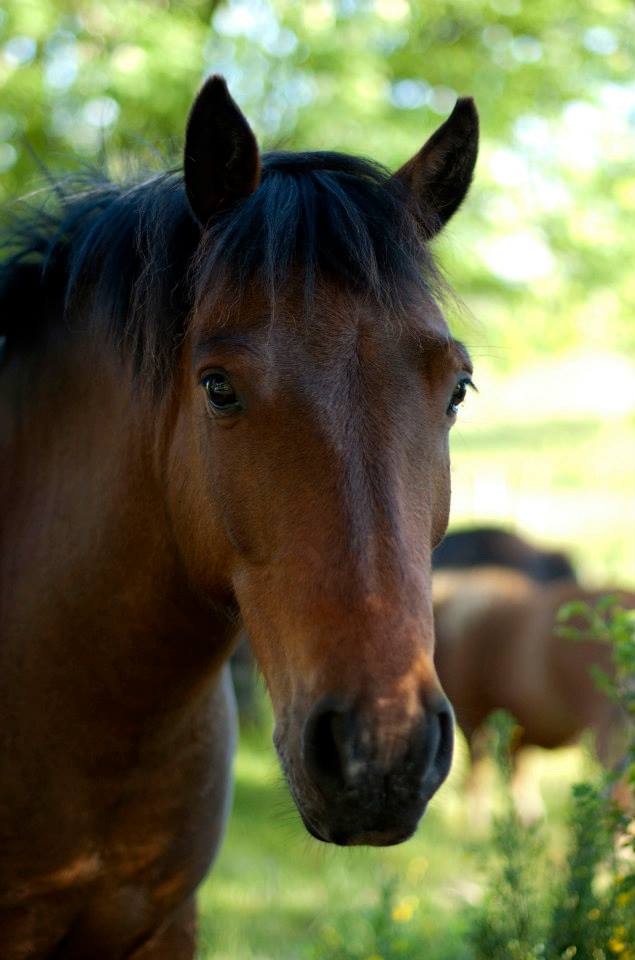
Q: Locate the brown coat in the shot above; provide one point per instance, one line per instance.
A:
(497, 648)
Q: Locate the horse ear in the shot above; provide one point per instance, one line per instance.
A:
(221, 160)
(438, 177)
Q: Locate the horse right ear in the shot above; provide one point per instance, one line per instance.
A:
(221, 162)
(439, 176)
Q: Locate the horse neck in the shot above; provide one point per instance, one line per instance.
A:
(90, 574)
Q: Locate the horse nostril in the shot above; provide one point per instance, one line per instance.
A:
(439, 740)
(337, 758)
(327, 742)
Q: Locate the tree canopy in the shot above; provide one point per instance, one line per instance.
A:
(542, 252)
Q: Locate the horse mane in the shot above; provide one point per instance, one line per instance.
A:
(133, 255)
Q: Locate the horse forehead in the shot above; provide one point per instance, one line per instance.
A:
(332, 322)
(338, 331)
(344, 314)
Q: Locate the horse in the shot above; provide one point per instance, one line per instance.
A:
(497, 547)
(226, 397)
(497, 647)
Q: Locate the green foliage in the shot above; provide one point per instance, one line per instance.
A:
(594, 914)
(509, 922)
(583, 918)
(548, 231)
(608, 622)
(384, 931)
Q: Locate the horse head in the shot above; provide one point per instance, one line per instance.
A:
(309, 468)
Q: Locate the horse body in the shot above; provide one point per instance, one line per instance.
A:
(497, 649)
(226, 398)
(106, 667)
(497, 547)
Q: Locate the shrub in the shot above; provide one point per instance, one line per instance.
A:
(509, 922)
(382, 932)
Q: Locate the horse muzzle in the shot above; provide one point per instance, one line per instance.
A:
(365, 777)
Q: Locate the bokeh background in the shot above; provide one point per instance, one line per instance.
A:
(542, 257)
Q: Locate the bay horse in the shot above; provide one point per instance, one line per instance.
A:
(226, 397)
(497, 547)
(498, 648)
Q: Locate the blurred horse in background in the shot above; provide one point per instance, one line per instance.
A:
(497, 547)
(226, 396)
(497, 647)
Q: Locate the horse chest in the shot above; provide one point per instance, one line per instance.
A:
(107, 855)
(102, 905)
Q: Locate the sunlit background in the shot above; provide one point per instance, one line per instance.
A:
(542, 257)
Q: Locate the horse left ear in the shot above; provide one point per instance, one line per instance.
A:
(221, 162)
(438, 177)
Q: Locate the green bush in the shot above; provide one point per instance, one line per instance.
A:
(384, 931)
(509, 922)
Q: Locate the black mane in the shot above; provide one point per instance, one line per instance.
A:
(132, 255)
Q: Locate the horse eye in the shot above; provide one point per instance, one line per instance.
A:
(221, 395)
(459, 395)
